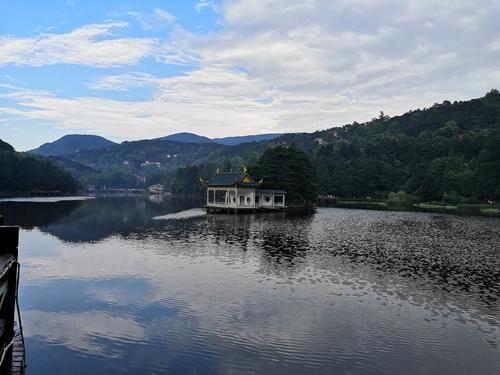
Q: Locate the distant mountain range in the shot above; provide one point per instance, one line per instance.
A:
(72, 143)
(227, 141)
(233, 141)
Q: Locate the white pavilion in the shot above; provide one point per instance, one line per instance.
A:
(237, 191)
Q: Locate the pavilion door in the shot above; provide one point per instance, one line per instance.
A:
(242, 200)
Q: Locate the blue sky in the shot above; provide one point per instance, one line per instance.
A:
(140, 69)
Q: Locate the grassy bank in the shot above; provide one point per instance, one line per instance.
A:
(482, 209)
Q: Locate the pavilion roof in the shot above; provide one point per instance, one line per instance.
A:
(227, 179)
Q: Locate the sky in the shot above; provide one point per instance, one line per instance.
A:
(129, 70)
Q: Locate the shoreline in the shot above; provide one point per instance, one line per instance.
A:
(51, 199)
(463, 209)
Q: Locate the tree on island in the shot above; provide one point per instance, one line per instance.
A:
(287, 168)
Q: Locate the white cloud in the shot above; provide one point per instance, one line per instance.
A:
(294, 66)
(92, 45)
(202, 4)
(158, 19)
(123, 82)
(215, 99)
(164, 15)
(81, 331)
(179, 49)
(494, 45)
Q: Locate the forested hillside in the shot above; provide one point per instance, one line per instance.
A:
(449, 151)
(23, 173)
(146, 156)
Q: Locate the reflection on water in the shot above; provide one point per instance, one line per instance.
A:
(89, 220)
(107, 289)
(186, 214)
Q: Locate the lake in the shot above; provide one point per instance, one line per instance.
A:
(132, 285)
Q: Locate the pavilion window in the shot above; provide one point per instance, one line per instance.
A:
(278, 199)
(220, 197)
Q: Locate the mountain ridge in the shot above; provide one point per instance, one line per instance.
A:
(71, 143)
(236, 140)
(186, 137)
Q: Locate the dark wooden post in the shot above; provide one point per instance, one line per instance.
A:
(9, 241)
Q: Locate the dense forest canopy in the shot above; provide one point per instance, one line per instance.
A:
(450, 149)
(22, 172)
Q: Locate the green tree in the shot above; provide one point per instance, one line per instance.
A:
(290, 169)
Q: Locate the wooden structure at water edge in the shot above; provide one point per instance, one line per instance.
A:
(238, 192)
(12, 352)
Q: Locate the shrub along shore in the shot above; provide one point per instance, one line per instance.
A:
(481, 209)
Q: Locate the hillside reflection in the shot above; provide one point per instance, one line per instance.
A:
(91, 220)
(29, 215)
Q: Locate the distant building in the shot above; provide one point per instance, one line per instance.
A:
(239, 191)
(156, 189)
(148, 163)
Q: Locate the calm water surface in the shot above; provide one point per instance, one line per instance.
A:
(123, 285)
